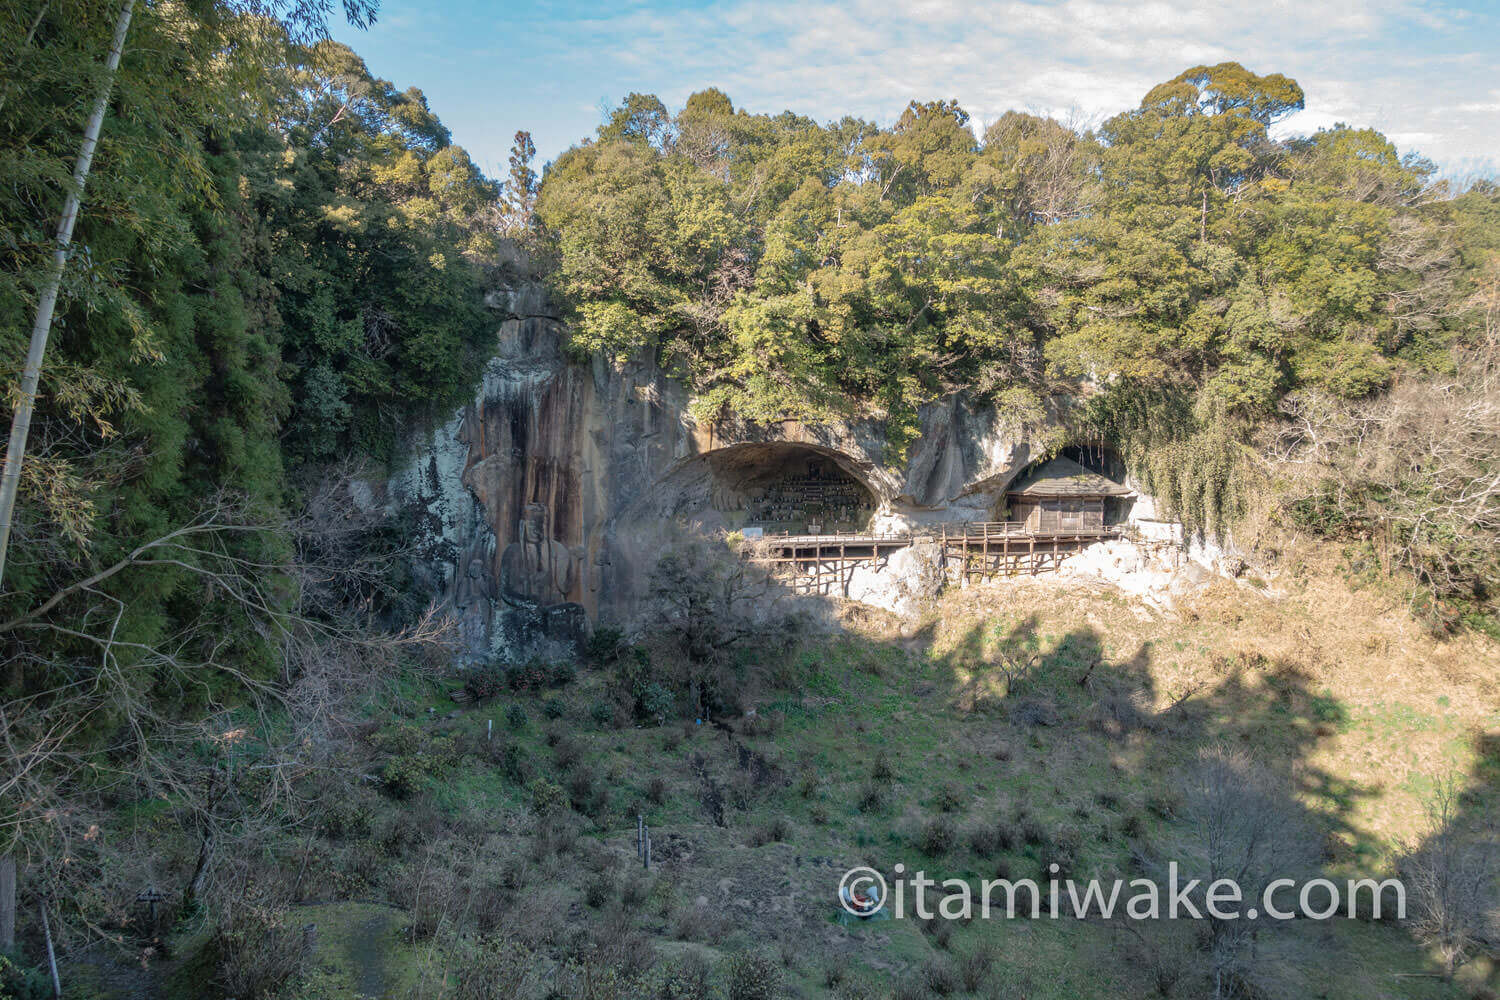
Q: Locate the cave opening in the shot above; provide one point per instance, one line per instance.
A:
(769, 489)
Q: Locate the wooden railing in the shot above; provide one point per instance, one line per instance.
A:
(1010, 529)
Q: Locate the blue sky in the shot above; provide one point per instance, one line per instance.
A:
(1426, 73)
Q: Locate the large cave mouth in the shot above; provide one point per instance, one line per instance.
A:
(786, 488)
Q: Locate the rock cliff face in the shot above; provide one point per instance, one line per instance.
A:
(543, 504)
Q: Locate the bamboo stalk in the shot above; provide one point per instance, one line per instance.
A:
(31, 374)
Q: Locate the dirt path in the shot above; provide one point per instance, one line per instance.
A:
(366, 954)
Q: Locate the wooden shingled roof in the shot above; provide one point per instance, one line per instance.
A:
(1063, 477)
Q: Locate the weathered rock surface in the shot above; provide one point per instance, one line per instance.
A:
(542, 505)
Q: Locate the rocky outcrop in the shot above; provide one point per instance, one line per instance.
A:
(906, 583)
(543, 504)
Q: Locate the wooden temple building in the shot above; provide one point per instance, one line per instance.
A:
(1062, 496)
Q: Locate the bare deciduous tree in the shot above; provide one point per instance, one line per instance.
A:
(1453, 898)
(1413, 471)
(1240, 825)
(101, 713)
(706, 602)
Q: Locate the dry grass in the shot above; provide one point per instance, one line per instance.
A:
(1402, 707)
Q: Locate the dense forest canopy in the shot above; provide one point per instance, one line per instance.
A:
(278, 263)
(279, 256)
(807, 269)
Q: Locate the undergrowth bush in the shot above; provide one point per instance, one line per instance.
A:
(752, 976)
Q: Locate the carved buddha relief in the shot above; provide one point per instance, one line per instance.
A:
(535, 569)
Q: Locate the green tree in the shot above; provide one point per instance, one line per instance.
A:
(520, 187)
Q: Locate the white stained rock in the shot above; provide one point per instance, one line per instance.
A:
(910, 580)
(1154, 579)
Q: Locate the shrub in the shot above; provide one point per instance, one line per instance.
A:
(942, 933)
(1031, 829)
(587, 794)
(538, 675)
(551, 839)
(773, 832)
(911, 989)
(752, 976)
(394, 835)
(23, 983)
(485, 681)
(260, 949)
(603, 646)
(1006, 837)
(708, 924)
(634, 893)
(656, 790)
(402, 738)
(688, 978)
(566, 754)
(547, 797)
(883, 769)
(941, 977)
(347, 818)
(513, 762)
(603, 713)
(656, 703)
(949, 798)
(974, 968)
(599, 889)
(553, 709)
(1063, 849)
(871, 798)
(529, 676)
(492, 969)
(937, 838)
(515, 716)
(403, 775)
(984, 839)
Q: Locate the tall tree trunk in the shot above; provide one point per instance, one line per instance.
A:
(51, 955)
(7, 902)
(20, 426)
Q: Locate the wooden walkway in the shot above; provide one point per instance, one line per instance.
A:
(983, 550)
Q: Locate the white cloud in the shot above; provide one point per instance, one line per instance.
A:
(1406, 67)
(870, 58)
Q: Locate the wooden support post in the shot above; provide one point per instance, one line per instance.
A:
(943, 548)
(1031, 554)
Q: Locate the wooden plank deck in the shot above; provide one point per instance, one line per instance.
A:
(980, 550)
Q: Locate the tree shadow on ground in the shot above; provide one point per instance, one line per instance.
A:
(1107, 765)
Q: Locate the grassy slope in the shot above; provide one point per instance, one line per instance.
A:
(1345, 695)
